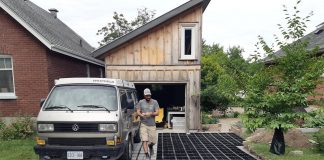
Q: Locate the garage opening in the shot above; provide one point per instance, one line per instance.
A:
(171, 99)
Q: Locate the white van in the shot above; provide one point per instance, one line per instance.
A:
(88, 118)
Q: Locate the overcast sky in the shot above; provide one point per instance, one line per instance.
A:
(227, 22)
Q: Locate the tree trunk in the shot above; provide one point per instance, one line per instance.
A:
(278, 142)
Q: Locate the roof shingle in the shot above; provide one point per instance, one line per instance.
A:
(59, 36)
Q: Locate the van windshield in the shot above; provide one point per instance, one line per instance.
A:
(82, 98)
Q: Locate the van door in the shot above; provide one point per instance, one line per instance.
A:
(124, 113)
(135, 118)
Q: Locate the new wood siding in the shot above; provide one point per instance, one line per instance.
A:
(154, 57)
(161, 46)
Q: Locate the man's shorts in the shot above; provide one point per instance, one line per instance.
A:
(148, 133)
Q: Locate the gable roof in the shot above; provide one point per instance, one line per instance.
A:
(51, 31)
(154, 23)
(315, 38)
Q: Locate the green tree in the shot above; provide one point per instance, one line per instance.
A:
(275, 92)
(222, 75)
(121, 26)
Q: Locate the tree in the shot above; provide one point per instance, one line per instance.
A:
(275, 92)
(122, 26)
(222, 74)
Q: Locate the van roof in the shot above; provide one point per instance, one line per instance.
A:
(114, 82)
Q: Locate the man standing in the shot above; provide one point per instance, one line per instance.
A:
(147, 109)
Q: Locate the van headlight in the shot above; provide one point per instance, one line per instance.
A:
(45, 127)
(107, 127)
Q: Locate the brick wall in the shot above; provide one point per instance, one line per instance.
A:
(29, 64)
(35, 67)
(319, 92)
(61, 66)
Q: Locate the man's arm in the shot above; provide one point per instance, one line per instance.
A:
(157, 108)
(156, 113)
(138, 110)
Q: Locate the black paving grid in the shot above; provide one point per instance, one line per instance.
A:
(203, 146)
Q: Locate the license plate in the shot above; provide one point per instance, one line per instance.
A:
(74, 155)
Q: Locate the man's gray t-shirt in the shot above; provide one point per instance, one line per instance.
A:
(145, 106)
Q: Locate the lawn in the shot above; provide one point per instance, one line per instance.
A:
(17, 149)
(309, 153)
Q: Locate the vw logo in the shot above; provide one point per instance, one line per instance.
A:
(75, 127)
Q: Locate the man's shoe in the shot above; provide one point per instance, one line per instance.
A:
(151, 149)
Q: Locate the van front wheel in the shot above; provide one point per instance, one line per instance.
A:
(127, 155)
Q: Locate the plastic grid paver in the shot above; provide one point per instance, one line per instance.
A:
(200, 146)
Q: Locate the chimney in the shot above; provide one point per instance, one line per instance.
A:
(54, 12)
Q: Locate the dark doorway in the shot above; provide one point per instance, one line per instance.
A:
(171, 97)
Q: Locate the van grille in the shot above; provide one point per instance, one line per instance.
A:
(76, 127)
(76, 141)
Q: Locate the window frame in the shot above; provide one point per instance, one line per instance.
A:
(9, 95)
(194, 41)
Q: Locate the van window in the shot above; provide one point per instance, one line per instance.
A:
(135, 97)
(123, 99)
(75, 96)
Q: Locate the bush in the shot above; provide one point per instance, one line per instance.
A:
(236, 114)
(2, 125)
(315, 119)
(320, 139)
(208, 119)
(20, 128)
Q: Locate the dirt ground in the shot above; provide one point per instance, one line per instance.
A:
(293, 138)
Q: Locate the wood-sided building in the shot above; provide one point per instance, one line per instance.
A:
(165, 56)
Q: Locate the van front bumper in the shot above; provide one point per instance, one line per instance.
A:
(106, 152)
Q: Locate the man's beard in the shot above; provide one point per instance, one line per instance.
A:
(147, 99)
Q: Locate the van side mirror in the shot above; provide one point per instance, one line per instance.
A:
(41, 102)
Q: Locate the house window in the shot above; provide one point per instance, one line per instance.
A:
(189, 41)
(7, 88)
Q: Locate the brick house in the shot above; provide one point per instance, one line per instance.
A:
(35, 49)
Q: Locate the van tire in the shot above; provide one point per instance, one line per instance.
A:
(127, 155)
(137, 138)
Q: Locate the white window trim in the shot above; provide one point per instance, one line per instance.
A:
(194, 41)
(9, 95)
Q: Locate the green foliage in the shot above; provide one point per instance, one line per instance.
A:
(222, 77)
(18, 150)
(122, 26)
(315, 119)
(320, 139)
(275, 91)
(209, 119)
(236, 114)
(263, 150)
(2, 125)
(20, 128)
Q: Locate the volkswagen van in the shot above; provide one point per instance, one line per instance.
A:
(88, 118)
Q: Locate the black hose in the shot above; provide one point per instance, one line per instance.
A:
(139, 151)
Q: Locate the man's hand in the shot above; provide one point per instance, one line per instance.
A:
(147, 114)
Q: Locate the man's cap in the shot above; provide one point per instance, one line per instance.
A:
(147, 92)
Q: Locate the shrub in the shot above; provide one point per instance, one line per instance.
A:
(2, 125)
(208, 119)
(20, 128)
(320, 139)
(236, 114)
(315, 119)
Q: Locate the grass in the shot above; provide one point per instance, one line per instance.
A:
(309, 153)
(18, 149)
